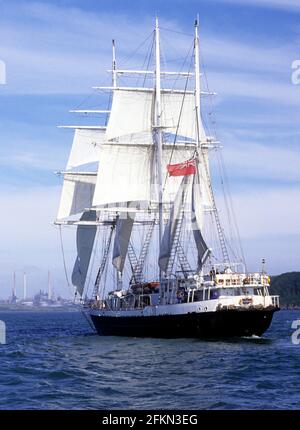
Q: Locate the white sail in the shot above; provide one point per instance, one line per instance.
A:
(85, 242)
(204, 179)
(196, 223)
(133, 112)
(85, 148)
(124, 174)
(130, 113)
(202, 134)
(121, 242)
(178, 114)
(172, 224)
(77, 194)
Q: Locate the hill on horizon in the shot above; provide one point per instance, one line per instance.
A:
(287, 286)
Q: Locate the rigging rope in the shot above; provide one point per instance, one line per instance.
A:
(177, 128)
(149, 59)
(136, 50)
(176, 31)
(64, 261)
(225, 183)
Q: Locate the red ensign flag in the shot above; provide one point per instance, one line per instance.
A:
(182, 169)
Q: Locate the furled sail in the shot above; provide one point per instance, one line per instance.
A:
(123, 232)
(124, 174)
(196, 219)
(85, 148)
(85, 242)
(172, 224)
(77, 194)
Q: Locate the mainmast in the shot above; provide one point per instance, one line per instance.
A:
(158, 130)
(197, 80)
(203, 159)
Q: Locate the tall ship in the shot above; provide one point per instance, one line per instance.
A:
(153, 258)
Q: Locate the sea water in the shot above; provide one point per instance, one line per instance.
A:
(54, 360)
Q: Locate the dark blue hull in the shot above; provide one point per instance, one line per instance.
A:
(229, 323)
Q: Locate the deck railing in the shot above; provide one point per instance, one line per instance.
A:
(239, 280)
(275, 301)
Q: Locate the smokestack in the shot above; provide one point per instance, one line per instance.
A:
(24, 286)
(14, 290)
(49, 286)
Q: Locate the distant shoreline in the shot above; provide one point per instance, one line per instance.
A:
(7, 308)
(76, 308)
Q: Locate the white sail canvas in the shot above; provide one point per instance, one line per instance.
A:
(85, 242)
(77, 194)
(85, 148)
(124, 174)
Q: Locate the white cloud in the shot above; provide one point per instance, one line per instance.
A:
(268, 211)
(264, 56)
(63, 50)
(29, 238)
(32, 160)
(253, 161)
(268, 222)
(55, 49)
(292, 5)
(255, 87)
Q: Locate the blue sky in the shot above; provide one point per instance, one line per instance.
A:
(56, 51)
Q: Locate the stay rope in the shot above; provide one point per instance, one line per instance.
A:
(64, 261)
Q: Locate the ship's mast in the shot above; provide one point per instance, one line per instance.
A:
(198, 119)
(158, 131)
(114, 84)
(114, 65)
(197, 79)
